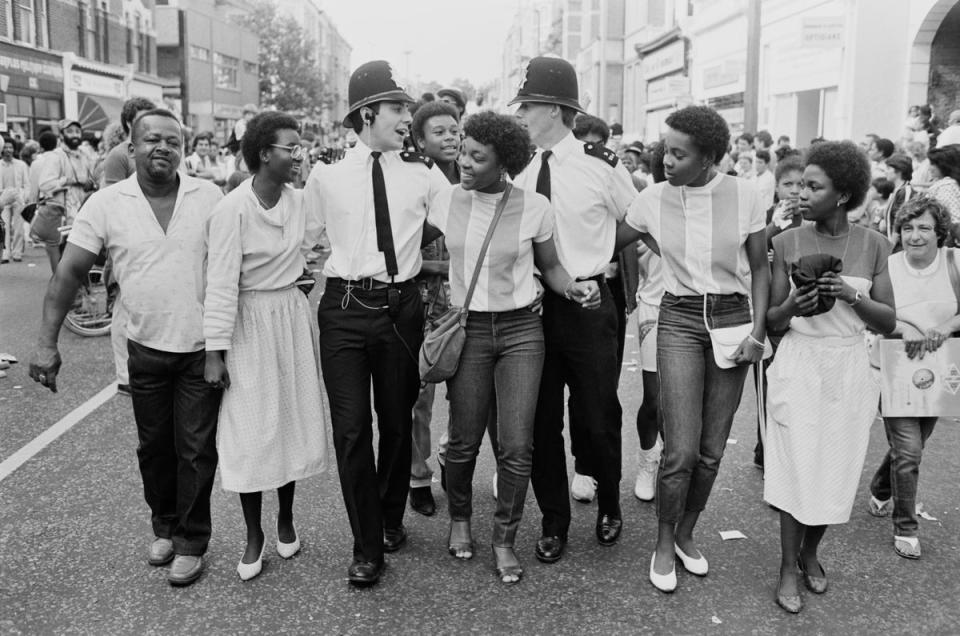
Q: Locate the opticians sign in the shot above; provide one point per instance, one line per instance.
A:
(822, 33)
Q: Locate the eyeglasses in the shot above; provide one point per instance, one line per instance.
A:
(296, 152)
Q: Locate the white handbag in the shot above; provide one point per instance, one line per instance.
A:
(726, 340)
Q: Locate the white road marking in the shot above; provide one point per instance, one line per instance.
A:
(47, 437)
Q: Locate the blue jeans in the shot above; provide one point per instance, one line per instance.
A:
(501, 362)
(898, 473)
(698, 399)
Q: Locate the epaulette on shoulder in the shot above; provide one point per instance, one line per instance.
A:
(601, 152)
(410, 156)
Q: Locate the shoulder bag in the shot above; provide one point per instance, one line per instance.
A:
(442, 345)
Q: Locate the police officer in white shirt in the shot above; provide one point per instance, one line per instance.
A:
(590, 191)
(373, 205)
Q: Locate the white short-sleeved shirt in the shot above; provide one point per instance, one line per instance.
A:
(506, 277)
(338, 198)
(702, 233)
(161, 273)
(589, 196)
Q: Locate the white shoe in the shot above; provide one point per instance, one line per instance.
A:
(647, 466)
(493, 485)
(698, 566)
(287, 550)
(663, 582)
(248, 571)
(583, 488)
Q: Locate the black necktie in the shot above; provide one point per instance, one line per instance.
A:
(543, 179)
(381, 212)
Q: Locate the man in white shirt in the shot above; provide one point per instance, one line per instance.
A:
(590, 191)
(373, 205)
(14, 189)
(766, 183)
(158, 251)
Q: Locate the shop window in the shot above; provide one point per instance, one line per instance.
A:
(225, 70)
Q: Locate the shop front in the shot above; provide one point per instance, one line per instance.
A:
(664, 63)
(96, 97)
(31, 83)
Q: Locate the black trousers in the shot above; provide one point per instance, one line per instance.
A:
(176, 413)
(360, 342)
(580, 446)
(581, 353)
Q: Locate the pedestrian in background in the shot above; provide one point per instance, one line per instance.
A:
(260, 348)
(830, 281)
(14, 191)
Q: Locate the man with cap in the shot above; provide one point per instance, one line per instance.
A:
(66, 179)
(454, 97)
(373, 205)
(590, 191)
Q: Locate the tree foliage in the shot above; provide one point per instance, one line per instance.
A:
(289, 76)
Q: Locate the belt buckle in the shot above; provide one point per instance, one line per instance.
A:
(366, 284)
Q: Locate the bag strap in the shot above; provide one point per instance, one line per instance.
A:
(954, 276)
(486, 243)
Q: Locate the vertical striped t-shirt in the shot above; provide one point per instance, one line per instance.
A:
(702, 233)
(506, 277)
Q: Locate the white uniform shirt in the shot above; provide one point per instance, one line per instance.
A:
(589, 197)
(161, 273)
(338, 198)
(249, 249)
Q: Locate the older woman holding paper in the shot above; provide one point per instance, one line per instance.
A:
(925, 284)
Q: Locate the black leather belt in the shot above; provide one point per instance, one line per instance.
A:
(366, 284)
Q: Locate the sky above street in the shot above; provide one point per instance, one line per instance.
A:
(446, 39)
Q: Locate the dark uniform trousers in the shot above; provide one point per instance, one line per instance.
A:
(581, 353)
(359, 342)
(176, 413)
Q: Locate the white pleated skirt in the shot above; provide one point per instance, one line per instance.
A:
(272, 428)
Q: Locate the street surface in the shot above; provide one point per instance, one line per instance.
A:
(74, 531)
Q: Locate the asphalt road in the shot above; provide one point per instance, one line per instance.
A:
(74, 531)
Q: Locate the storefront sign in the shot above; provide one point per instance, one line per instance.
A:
(728, 72)
(96, 84)
(667, 88)
(668, 59)
(35, 67)
(822, 33)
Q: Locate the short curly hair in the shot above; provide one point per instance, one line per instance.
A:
(708, 131)
(509, 139)
(261, 132)
(846, 165)
(131, 108)
(915, 207)
(425, 112)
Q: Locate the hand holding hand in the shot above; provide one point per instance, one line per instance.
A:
(45, 365)
(585, 292)
(215, 370)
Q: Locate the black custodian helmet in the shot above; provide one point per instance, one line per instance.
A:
(549, 80)
(373, 82)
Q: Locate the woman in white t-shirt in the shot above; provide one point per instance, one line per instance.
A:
(502, 357)
(708, 229)
(927, 314)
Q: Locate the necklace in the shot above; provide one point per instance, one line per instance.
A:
(845, 245)
(263, 203)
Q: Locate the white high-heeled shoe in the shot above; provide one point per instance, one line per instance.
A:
(287, 550)
(663, 582)
(249, 571)
(698, 566)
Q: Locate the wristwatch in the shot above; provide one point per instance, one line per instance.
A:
(857, 298)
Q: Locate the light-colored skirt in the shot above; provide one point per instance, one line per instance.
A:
(272, 428)
(821, 400)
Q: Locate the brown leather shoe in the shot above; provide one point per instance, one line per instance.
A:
(161, 551)
(186, 569)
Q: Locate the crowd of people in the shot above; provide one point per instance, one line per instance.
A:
(549, 234)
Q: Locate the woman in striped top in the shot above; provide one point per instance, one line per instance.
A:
(708, 228)
(503, 354)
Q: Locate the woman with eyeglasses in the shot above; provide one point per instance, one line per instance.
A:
(259, 343)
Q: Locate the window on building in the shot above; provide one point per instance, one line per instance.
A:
(24, 21)
(225, 69)
(199, 53)
(251, 67)
(98, 33)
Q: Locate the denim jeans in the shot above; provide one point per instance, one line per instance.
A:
(176, 413)
(698, 399)
(502, 360)
(581, 354)
(898, 473)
